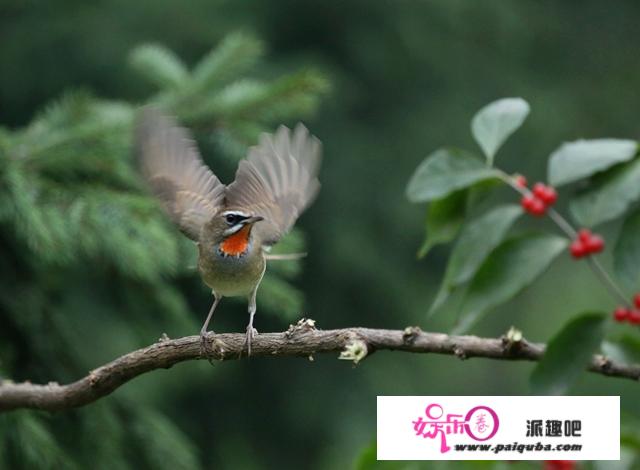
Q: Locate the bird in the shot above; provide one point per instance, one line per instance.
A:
(234, 226)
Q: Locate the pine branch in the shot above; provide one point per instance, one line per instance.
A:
(235, 55)
(159, 66)
(302, 340)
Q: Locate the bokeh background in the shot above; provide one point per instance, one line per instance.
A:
(387, 82)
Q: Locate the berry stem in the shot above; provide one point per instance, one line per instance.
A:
(562, 223)
(511, 181)
(609, 283)
(614, 290)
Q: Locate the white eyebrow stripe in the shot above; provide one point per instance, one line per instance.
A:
(243, 214)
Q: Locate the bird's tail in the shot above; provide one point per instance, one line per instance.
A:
(284, 256)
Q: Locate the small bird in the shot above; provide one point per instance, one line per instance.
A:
(233, 226)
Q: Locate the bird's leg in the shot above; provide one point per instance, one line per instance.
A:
(204, 347)
(251, 331)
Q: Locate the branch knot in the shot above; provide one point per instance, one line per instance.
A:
(304, 325)
(512, 340)
(459, 352)
(355, 350)
(410, 334)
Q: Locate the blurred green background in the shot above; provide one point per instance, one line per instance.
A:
(387, 82)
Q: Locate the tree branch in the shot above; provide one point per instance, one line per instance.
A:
(300, 340)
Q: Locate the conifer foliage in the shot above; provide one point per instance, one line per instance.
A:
(73, 211)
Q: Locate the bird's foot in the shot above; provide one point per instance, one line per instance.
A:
(251, 333)
(205, 347)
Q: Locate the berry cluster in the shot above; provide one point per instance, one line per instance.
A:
(623, 314)
(586, 244)
(536, 202)
(539, 199)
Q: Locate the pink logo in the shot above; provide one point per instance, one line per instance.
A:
(480, 423)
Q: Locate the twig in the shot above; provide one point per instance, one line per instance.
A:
(301, 340)
(596, 267)
(614, 290)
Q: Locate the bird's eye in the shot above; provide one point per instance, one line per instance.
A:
(231, 219)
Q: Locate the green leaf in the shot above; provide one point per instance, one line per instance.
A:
(444, 219)
(568, 354)
(609, 197)
(477, 239)
(515, 264)
(626, 253)
(446, 171)
(582, 158)
(493, 124)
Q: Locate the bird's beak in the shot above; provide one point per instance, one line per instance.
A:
(253, 220)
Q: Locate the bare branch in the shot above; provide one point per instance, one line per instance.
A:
(302, 340)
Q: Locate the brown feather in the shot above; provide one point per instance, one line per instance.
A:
(169, 160)
(278, 180)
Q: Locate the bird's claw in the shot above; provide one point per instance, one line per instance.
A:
(251, 332)
(205, 348)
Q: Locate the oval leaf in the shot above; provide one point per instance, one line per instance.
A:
(582, 158)
(609, 197)
(568, 354)
(446, 171)
(444, 219)
(494, 123)
(477, 194)
(626, 254)
(515, 264)
(477, 239)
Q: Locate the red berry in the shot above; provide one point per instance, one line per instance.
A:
(521, 181)
(550, 196)
(621, 314)
(636, 300)
(533, 205)
(595, 244)
(634, 317)
(578, 249)
(559, 465)
(584, 234)
(546, 194)
(538, 190)
(526, 202)
(537, 208)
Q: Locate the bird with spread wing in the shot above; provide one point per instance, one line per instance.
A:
(233, 226)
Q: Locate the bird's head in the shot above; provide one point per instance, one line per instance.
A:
(232, 229)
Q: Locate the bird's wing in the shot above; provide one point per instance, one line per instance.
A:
(277, 180)
(170, 162)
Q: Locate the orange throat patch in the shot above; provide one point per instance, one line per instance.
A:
(236, 244)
